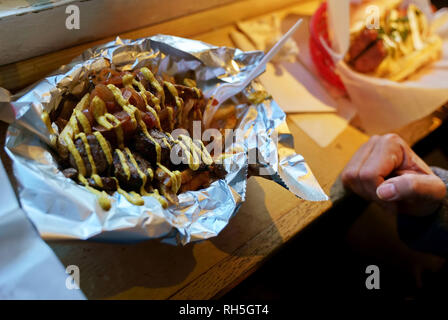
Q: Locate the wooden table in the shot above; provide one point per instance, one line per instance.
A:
(270, 216)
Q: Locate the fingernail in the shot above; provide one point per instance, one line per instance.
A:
(386, 191)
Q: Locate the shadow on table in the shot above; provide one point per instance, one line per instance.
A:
(109, 269)
(252, 218)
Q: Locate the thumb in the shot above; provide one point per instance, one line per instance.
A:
(412, 187)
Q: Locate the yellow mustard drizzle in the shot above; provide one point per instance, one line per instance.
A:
(170, 136)
(127, 80)
(192, 84)
(191, 150)
(103, 198)
(198, 93)
(132, 197)
(145, 131)
(140, 173)
(104, 201)
(153, 81)
(124, 163)
(104, 146)
(165, 141)
(171, 117)
(118, 129)
(100, 114)
(188, 155)
(83, 137)
(174, 177)
(46, 119)
(172, 89)
(206, 157)
(151, 173)
(109, 121)
(84, 103)
(179, 102)
(143, 91)
(159, 198)
(74, 123)
(82, 119)
(97, 180)
(194, 160)
(154, 99)
(75, 153)
(135, 198)
(129, 108)
(179, 178)
(189, 82)
(154, 113)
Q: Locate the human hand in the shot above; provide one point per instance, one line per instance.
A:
(387, 171)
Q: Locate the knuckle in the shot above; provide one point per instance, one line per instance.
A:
(367, 174)
(392, 138)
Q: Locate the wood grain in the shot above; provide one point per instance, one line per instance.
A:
(18, 75)
(98, 19)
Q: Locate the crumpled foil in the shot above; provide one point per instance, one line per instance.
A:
(62, 209)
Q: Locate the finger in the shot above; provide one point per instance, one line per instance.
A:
(386, 156)
(350, 172)
(412, 162)
(415, 187)
(362, 152)
(350, 175)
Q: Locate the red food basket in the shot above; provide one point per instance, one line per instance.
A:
(321, 58)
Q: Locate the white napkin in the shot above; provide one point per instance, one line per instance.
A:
(284, 80)
(28, 267)
(295, 88)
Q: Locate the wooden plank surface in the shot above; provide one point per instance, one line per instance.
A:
(17, 75)
(97, 19)
(270, 216)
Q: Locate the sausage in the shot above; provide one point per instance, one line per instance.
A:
(133, 181)
(99, 158)
(366, 38)
(371, 58)
(108, 184)
(147, 148)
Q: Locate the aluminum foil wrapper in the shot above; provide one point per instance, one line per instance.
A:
(62, 209)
